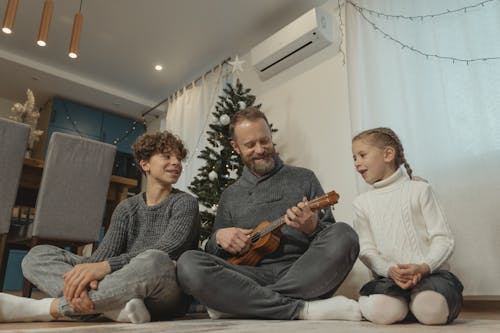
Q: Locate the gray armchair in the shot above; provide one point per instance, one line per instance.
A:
(72, 197)
(13, 143)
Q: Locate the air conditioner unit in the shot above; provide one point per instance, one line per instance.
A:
(303, 37)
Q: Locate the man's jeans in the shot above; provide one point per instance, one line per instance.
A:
(149, 276)
(274, 291)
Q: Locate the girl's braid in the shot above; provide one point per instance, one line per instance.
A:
(382, 137)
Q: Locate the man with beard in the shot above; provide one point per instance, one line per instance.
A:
(314, 256)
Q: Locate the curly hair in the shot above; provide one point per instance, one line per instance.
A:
(149, 144)
(382, 137)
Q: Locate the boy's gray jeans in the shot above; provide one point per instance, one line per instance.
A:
(149, 276)
(273, 291)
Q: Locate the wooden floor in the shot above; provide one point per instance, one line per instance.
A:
(489, 310)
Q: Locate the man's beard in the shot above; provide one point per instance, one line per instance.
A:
(263, 167)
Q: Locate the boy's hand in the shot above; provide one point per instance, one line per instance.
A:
(83, 276)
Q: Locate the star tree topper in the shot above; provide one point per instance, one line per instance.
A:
(237, 64)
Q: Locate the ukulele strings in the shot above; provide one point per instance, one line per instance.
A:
(267, 229)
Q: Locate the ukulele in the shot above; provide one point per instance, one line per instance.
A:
(265, 238)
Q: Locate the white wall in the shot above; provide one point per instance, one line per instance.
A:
(308, 104)
(157, 124)
(5, 106)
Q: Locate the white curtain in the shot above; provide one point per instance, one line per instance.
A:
(189, 113)
(447, 113)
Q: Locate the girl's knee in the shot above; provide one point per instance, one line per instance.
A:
(383, 309)
(430, 308)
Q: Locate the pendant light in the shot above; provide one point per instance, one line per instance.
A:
(75, 34)
(10, 15)
(43, 32)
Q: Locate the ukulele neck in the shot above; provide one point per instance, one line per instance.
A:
(273, 225)
(323, 201)
(276, 224)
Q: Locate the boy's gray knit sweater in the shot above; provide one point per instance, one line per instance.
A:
(252, 200)
(171, 226)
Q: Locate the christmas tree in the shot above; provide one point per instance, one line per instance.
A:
(223, 165)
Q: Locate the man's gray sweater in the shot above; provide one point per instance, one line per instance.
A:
(252, 200)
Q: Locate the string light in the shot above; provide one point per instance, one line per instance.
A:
(421, 17)
(362, 10)
(132, 129)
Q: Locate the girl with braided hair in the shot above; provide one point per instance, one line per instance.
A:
(404, 238)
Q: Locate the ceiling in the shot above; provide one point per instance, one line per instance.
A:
(122, 40)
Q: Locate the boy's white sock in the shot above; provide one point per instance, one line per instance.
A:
(16, 309)
(335, 308)
(133, 312)
(214, 314)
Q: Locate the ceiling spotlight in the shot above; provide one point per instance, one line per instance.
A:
(43, 32)
(158, 67)
(75, 34)
(10, 15)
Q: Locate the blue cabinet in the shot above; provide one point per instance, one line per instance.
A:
(73, 118)
(13, 274)
(76, 118)
(120, 131)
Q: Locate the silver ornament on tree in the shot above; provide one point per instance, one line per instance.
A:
(233, 174)
(213, 175)
(242, 105)
(224, 119)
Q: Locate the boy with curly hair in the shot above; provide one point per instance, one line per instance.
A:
(131, 276)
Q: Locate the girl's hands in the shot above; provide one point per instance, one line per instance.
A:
(408, 275)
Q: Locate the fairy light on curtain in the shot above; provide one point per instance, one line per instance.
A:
(419, 17)
(43, 31)
(75, 34)
(363, 11)
(10, 16)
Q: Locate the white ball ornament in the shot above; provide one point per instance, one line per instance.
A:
(233, 174)
(242, 105)
(212, 175)
(224, 119)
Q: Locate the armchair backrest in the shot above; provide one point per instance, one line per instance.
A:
(72, 198)
(13, 143)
